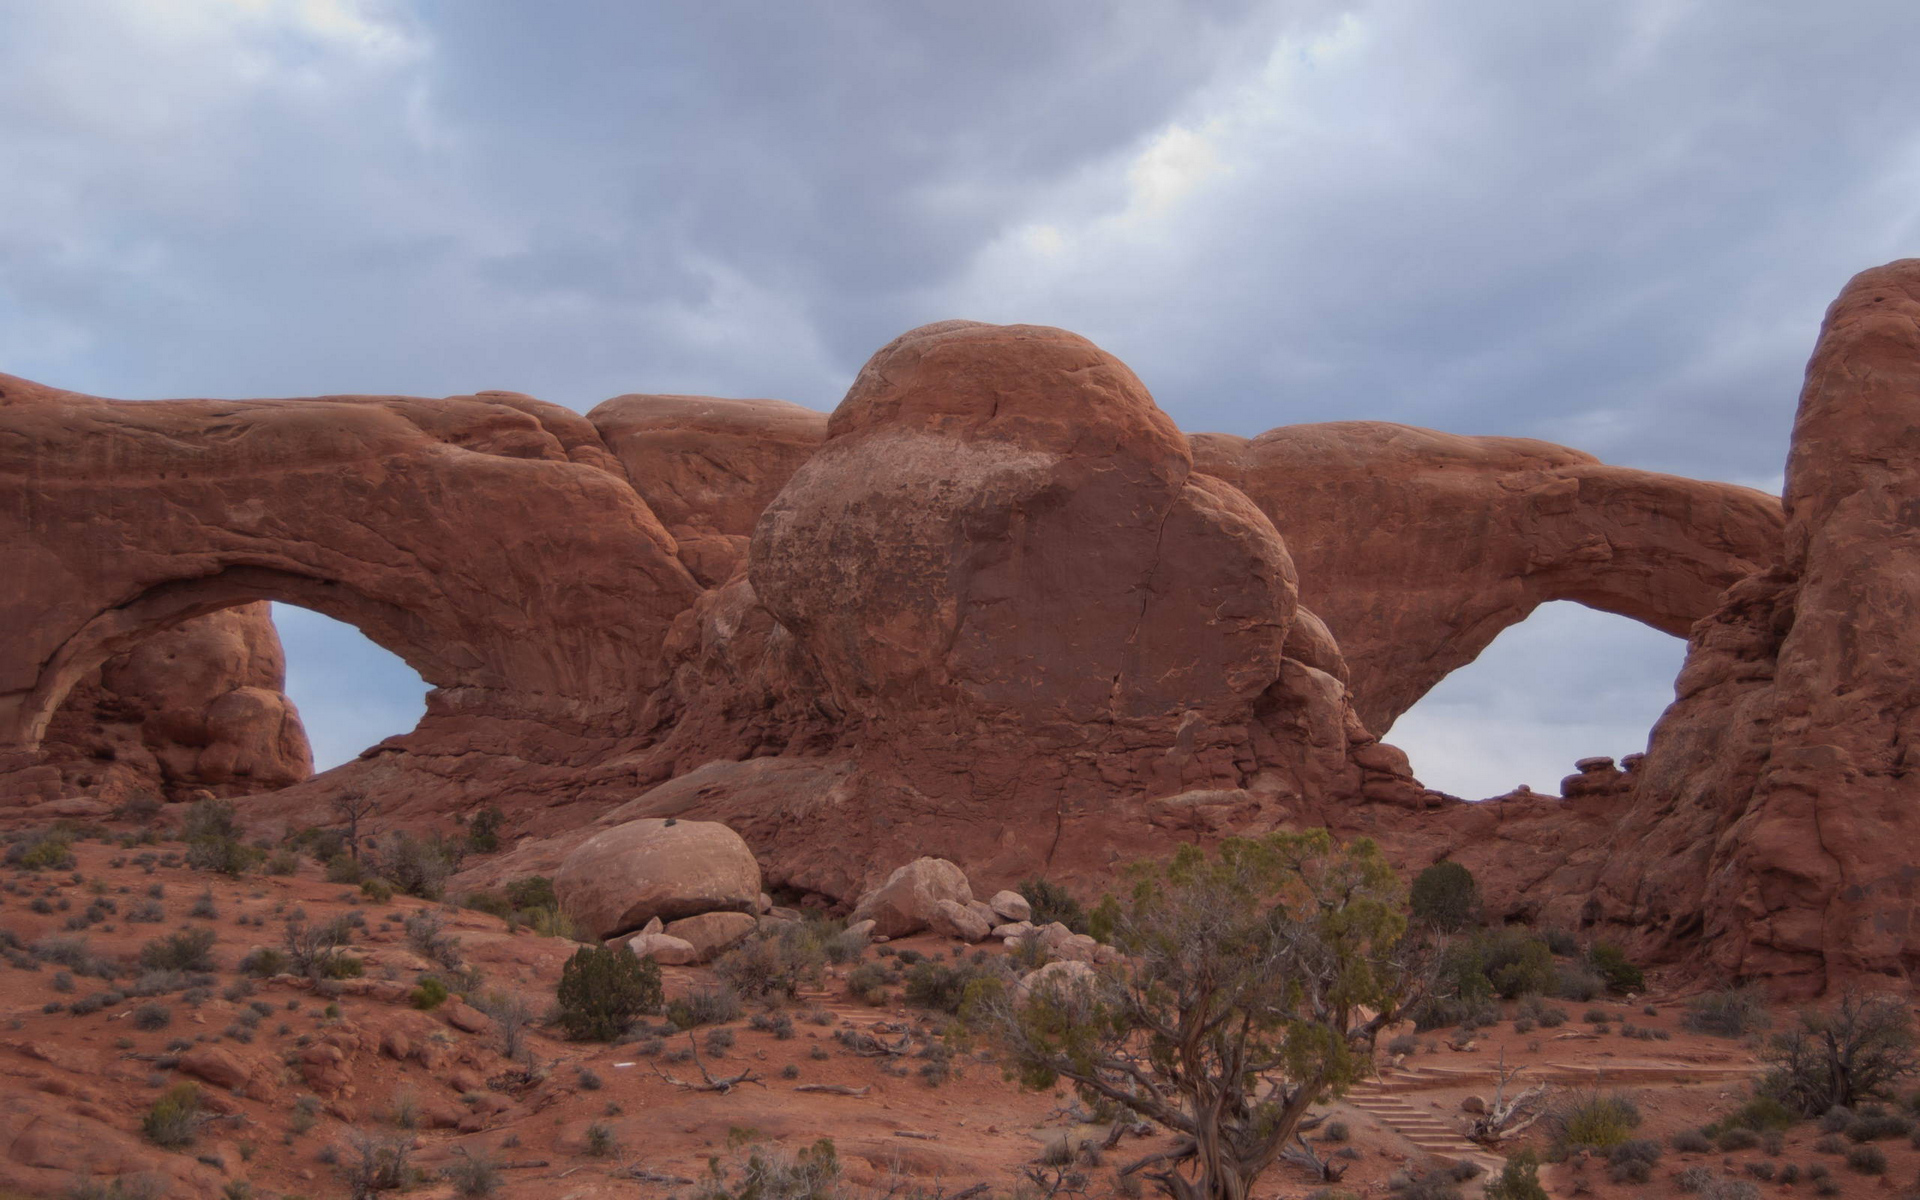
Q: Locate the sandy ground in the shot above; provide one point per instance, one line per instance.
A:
(297, 1075)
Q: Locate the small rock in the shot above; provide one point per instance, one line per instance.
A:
(215, 1065)
(861, 929)
(712, 933)
(1011, 905)
(765, 903)
(465, 1017)
(958, 920)
(1474, 1104)
(664, 948)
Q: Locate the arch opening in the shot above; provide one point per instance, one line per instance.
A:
(350, 691)
(1567, 683)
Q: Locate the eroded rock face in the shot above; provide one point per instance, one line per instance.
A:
(197, 706)
(1782, 775)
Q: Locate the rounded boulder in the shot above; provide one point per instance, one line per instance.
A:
(619, 880)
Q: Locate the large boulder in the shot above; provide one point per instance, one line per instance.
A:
(616, 882)
(712, 934)
(909, 900)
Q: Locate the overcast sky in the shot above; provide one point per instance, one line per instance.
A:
(1608, 223)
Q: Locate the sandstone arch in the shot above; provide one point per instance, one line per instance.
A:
(491, 541)
(1418, 547)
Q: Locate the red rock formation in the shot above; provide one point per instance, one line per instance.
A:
(490, 541)
(708, 467)
(197, 706)
(1417, 548)
(1773, 819)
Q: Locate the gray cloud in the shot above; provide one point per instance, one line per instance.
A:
(1612, 224)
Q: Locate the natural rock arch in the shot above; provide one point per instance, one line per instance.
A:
(490, 541)
(1418, 547)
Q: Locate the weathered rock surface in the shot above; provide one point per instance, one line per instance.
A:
(664, 948)
(713, 933)
(1773, 814)
(651, 868)
(1010, 906)
(491, 541)
(197, 706)
(709, 467)
(910, 899)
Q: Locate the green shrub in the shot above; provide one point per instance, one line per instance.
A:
(1595, 1120)
(1611, 962)
(187, 950)
(941, 987)
(1867, 1160)
(483, 832)
(283, 862)
(429, 994)
(1737, 1138)
(704, 1006)
(415, 865)
(867, 983)
(1050, 903)
(44, 851)
(534, 891)
(1859, 1049)
(1519, 1179)
(1632, 1161)
(1444, 896)
(774, 963)
(222, 855)
(602, 990)
(265, 962)
(493, 904)
(1760, 1114)
(1730, 1012)
(175, 1118)
(344, 868)
(377, 890)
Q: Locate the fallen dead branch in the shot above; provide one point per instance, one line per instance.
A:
(834, 1089)
(724, 1084)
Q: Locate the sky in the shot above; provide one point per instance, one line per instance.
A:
(1612, 224)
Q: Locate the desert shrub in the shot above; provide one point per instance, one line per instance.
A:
(472, 1175)
(1867, 1160)
(49, 849)
(1789, 1173)
(941, 987)
(426, 934)
(1050, 903)
(704, 1006)
(483, 831)
(867, 983)
(187, 950)
(1836, 1119)
(265, 962)
(494, 904)
(1855, 1051)
(345, 868)
(1577, 981)
(779, 1024)
(314, 950)
(1519, 1179)
(1730, 1189)
(812, 1174)
(1444, 896)
(1874, 1123)
(1694, 1179)
(73, 953)
(1737, 1139)
(375, 1163)
(428, 994)
(774, 963)
(151, 1016)
(602, 990)
(1437, 1184)
(601, 1141)
(1731, 1012)
(377, 890)
(1762, 1169)
(1595, 1120)
(1829, 1143)
(1612, 964)
(1632, 1161)
(533, 891)
(1509, 961)
(415, 865)
(282, 862)
(1760, 1114)
(175, 1118)
(1275, 926)
(1405, 1044)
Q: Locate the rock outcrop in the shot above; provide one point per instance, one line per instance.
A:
(195, 707)
(1773, 818)
(618, 881)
